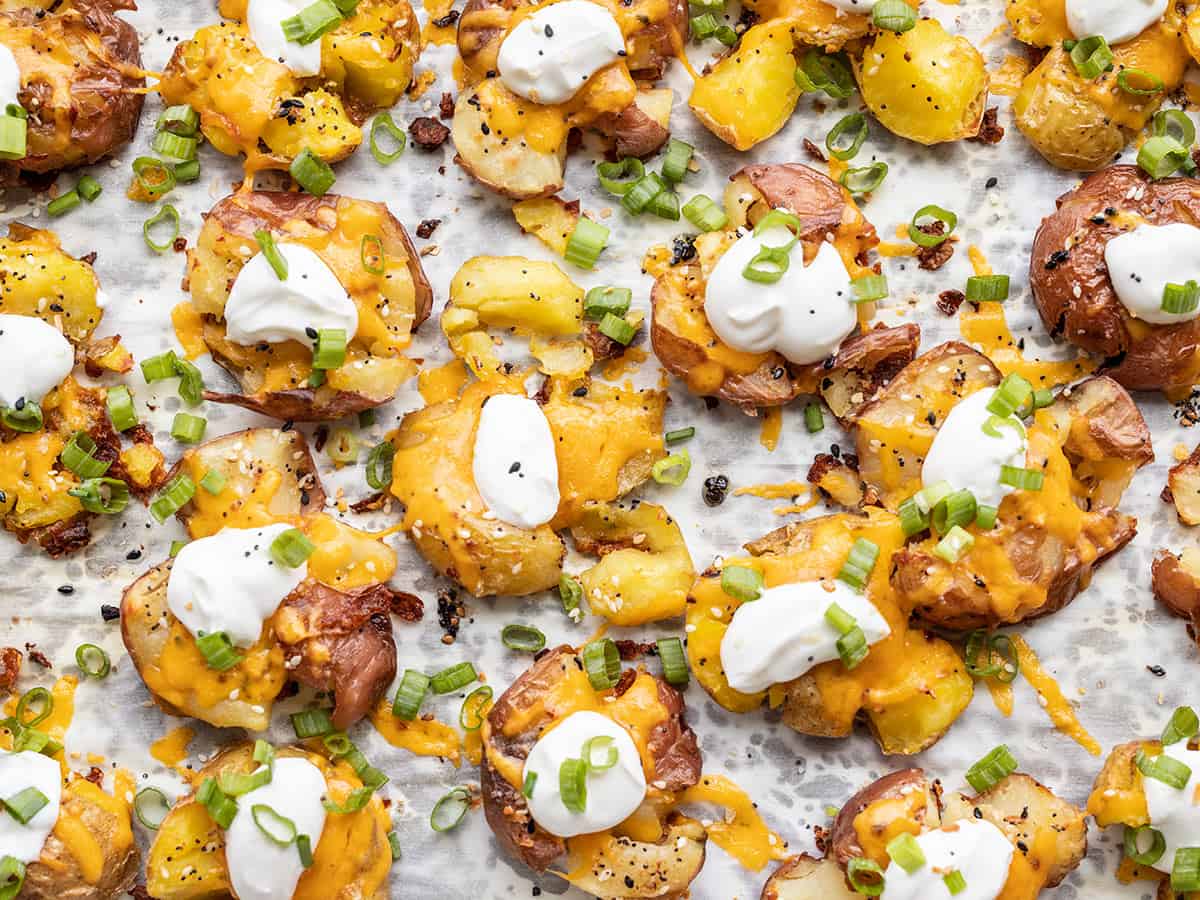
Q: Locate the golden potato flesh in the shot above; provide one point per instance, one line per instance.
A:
(38, 279)
(924, 84)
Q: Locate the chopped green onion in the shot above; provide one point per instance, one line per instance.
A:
(182, 120)
(703, 26)
(865, 876)
(768, 265)
(860, 562)
(119, 403)
(178, 491)
(187, 172)
(379, 465)
(1042, 397)
(312, 173)
(987, 288)
(357, 799)
(25, 804)
(16, 111)
(530, 783)
(449, 811)
(674, 661)
(570, 591)
(304, 848)
(312, 22)
(994, 647)
(937, 214)
(279, 830)
(572, 784)
(823, 72)
(1022, 479)
(665, 205)
(955, 543)
(600, 744)
(929, 497)
(524, 638)
(993, 768)
(601, 301)
(993, 425)
(235, 784)
(329, 352)
(107, 496)
(264, 753)
(453, 678)
(1012, 394)
(156, 368)
(852, 647)
(93, 661)
(1091, 56)
(475, 708)
(174, 146)
(151, 806)
(853, 126)
(311, 723)
(168, 214)
(1148, 84)
(37, 700)
(893, 15)
(154, 176)
(676, 160)
(903, 849)
(955, 882)
(191, 382)
(12, 877)
(342, 447)
(374, 260)
(742, 583)
(1175, 124)
(726, 35)
(638, 197)
(616, 329)
(217, 650)
(912, 520)
(602, 662)
(985, 517)
(384, 122)
(705, 214)
(89, 188)
(864, 179)
(63, 203)
(14, 137)
(79, 455)
(221, 808)
(25, 416)
(1133, 843)
(814, 419)
(1166, 769)
(585, 243)
(292, 548)
(618, 177)
(213, 481)
(679, 435)
(1181, 298)
(176, 546)
(188, 429)
(954, 509)
(673, 469)
(841, 620)
(393, 846)
(266, 243)
(1162, 156)
(780, 218)
(1185, 873)
(1183, 726)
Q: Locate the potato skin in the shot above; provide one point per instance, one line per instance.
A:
(806, 877)
(103, 105)
(843, 842)
(1068, 254)
(1176, 584)
(214, 262)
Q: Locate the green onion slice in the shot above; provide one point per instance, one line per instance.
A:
(841, 620)
(903, 849)
(601, 744)
(703, 26)
(912, 519)
(221, 808)
(79, 455)
(188, 429)
(1183, 726)
(311, 723)
(605, 300)
(673, 469)
(864, 179)
(993, 425)
(25, 804)
(312, 173)
(63, 204)
(868, 288)
(449, 811)
(993, 768)
(453, 678)
(570, 591)
(25, 416)
(12, 877)
(618, 177)
(356, 800)
(304, 848)
(156, 368)
(264, 753)
(860, 562)
(1185, 873)
(213, 482)
(814, 419)
(384, 122)
(665, 205)
(393, 846)
(853, 126)
(1181, 299)
(572, 784)
(312, 22)
(936, 214)
(342, 447)
(1022, 479)
(181, 119)
(372, 255)
(1134, 843)
(704, 213)
(292, 548)
(987, 288)
(151, 806)
(266, 243)
(679, 435)
(217, 650)
(674, 661)
(475, 708)
(1166, 769)
(37, 700)
(955, 543)
(865, 876)
(175, 146)
(154, 176)
(14, 136)
(852, 647)
(585, 243)
(954, 509)
(676, 160)
(106, 496)
(929, 497)
(638, 197)
(278, 829)
(177, 492)
(1012, 394)
(1174, 124)
(89, 188)
(235, 784)
(893, 15)
(530, 783)
(329, 351)
(93, 661)
(824, 72)
(1091, 56)
(768, 265)
(955, 882)
(1160, 157)
(617, 329)
(742, 583)
(168, 214)
(602, 662)
(379, 465)
(1139, 82)
(525, 638)
(119, 403)
(985, 517)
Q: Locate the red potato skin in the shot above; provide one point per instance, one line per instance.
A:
(1166, 356)
(1177, 589)
(843, 839)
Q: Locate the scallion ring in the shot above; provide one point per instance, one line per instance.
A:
(279, 830)
(178, 491)
(79, 455)
(586, 242)
(865, 876)
(937, 214)
(1022, 479)
(602, 744)
(572, 784)
(384, 122)
(674, 661)
(312, 173)
(676, 159)
(814, 419)
(673, 469)
(993, 768)
(342, 447)
(93, 661)
(106, 496)
(191, 382)
(570, 591)
(602, 662)
(379, 465)
(828, 73)
(865, 179)
(957, 508)
(742, 583)
(1140, 82)
(1180, 299)
(151, 806)
(954, 544)
(1160, 157)
(1133, 844)
(704, 213)
(903, 849)
(371, 254)
(1166, 769)
(1012, 394)
(311, 723)
(449, 811)
(1176, 125)
(235, 784)
(860, 562)
(1091, 56)
(154, 176)
(987, 288)
(12, 875)
(768, 265)
(25, 416)
(912, 519)
(618, 177)
(893, 15)
(453, 678)
(25, 804)
(356, 800)
(524, 638)
(119, 403)
(1185, 873)
(1183, 726)
(38, 700)
(475, 708)
(168, 214)
(869, 288)
(292, 548)
(853, 126)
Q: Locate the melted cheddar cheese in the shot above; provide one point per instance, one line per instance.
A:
(421, 736)
(89, 842)
(986, 329)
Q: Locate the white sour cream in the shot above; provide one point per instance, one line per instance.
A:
(974, 847)
(1116, 20)
(17, 772)
(1142, 261)
(552, 53)
(10, 78)
(804, 315)
(229, 582)
(263, 308)
(970, 459)
(1176, 813)
(34, 359)
(516, 471)
(263, 18)
(783, 633)
(259, 869)
(612, 794)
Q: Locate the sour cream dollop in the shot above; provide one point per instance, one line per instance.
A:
(783, 633)
(552, 53)
(261, 307)
(264, 18)
(229, 582)
(804, 315)
(974, 847)
(28, 770)
(516, 471)
(1176, 813)
(10, 78)
(1116, 20)
(612, 794)
(260, 869)
(1142, 261)
(34, 359)
(968, 457)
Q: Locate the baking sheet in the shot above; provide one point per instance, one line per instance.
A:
(1099, 647)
